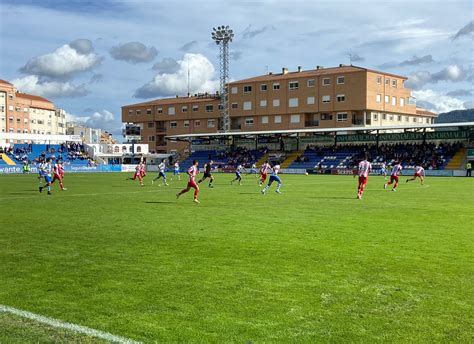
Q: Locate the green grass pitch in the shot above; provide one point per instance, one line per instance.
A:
(311, 265)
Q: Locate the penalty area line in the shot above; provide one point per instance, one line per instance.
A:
(67, 326)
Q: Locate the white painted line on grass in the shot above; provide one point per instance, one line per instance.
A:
(80, 195)
(68, 326)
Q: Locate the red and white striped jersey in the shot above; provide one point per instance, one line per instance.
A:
(138, 168)
(192, 171)
(420, 170)
(264, 168)
(57, 169)
(365, 168)
(396, 170)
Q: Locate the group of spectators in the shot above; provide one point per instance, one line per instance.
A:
(68, 152)
(430, 155)
(239, 156)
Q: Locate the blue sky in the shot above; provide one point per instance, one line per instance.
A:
(92, 57)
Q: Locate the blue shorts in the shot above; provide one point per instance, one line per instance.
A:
(175, 171)
(274, 179)
(162, 174)
(47, 178)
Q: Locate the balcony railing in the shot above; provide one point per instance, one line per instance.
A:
(235, 127)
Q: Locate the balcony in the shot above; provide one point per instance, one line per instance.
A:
(313, 123)
(235, 127)
(160, 130)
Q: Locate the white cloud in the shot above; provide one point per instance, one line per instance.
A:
(54, 89)
(453, 73)
(64, 61)
(437, 102)
(201, 79)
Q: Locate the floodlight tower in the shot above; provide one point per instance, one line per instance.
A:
(223, 35)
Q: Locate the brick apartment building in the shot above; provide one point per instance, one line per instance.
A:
(344, 96)
(24, 113)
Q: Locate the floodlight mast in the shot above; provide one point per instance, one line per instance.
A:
(223, 35)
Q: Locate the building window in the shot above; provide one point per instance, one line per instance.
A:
(25, 109)
(394, 83)
(184, 109)
(211, 123)
(340, 98)
(376, 117)
(235, 105)
(394, 101)
(265, 120)
(378, 98)
(276, 102)
(414, 119)
(173, 125)
(18, 120)
(384, 116)
(340, 80)
(159, 110)
(209, 108)
(310, 100)
(277, 119)
(263, 103)
(148, 111)
(10, 96)
(171, 110)
(326, 117)
(390, 118)
(247, 106)
(40, 121)
(342, 116)
(407, 119)
(186, 124)
(150, 139)
(387, 81)
(249, 121)
(151, 124)
(326, 81)
(402, 102)
(310, 83)
(379, 80)
(399, 118)
(247, 89)
(293, 85)
(293, 102)
(195, 108)
(130, 112)
(138, 112)
(197, 123)
(276, 86)
(326, 99)
(294, 118)
(263, 87)
(10, 107)
(234, 90)
(387, 99)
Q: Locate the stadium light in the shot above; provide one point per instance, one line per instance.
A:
(223, 35)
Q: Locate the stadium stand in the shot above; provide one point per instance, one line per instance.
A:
(70, 153)
(430, 155)
(225, 159)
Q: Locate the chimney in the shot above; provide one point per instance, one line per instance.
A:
(270, 73)
(319, 67)
(284, 70)
(299, 69)
(341, 65)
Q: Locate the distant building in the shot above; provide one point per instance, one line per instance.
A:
(338, 97)
(89, 135)
(24, 113)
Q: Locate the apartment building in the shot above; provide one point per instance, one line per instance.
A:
(26, 113)
(343, 96)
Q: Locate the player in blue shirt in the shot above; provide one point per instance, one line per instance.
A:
(238, 176)
(273, 178)
(47, 169)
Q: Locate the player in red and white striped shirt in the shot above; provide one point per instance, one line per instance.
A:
(396, 170)
(419, 172)
(58, 174)
(363, 171)
(263, 172)
(192, 172)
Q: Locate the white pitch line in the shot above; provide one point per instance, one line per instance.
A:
(68, 326)
(80, 195)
